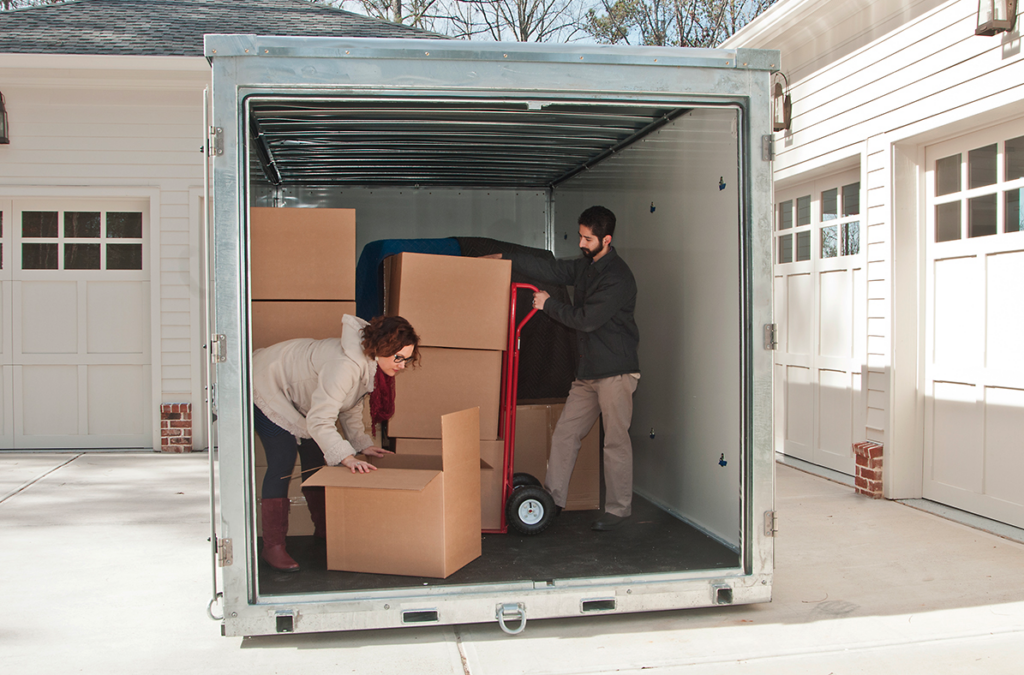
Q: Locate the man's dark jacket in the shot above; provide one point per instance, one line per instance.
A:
(601, 313)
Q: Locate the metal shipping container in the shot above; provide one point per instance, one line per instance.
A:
(434, 138)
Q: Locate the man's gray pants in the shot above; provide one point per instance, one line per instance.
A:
(588, 399)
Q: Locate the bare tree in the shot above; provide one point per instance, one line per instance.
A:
(15, 4)
(518, 20)
(680, 23)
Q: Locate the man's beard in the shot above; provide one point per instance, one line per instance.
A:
(587, 253)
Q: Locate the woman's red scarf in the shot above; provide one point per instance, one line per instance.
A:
(382, 399)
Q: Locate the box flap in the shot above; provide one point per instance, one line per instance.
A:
(460, 452)
(381, 479)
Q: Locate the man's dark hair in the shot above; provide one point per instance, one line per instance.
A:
(600, 220)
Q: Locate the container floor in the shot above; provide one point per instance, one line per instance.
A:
(651, 542)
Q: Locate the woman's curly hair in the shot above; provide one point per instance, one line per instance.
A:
(388, 335)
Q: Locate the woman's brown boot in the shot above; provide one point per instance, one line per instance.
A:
(275, 527)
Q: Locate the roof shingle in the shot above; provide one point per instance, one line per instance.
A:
(176, 27)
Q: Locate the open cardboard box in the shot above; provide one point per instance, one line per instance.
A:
(492, 456)
(405, 518)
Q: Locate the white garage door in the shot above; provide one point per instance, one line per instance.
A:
(75, 324)
(820, 310)
(974, 324)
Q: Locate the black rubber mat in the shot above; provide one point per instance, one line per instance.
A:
(650, 542)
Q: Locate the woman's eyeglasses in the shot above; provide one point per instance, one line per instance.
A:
(401, 359)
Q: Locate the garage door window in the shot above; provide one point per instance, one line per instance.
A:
(832, 218)
(81, 240)
(978, 193)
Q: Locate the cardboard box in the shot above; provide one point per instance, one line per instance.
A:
(411, 521)
(447, 380)
(492, 454)
(451, 301)
(302, 254)
(535, 423)
(275, 321)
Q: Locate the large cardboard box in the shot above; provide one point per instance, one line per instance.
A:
(275, 321)
(535, 423)
(302, 254)
(412, 520)
(492, 455)
(447, 380)
(451, 301)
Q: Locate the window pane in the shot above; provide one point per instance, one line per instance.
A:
(947, 221)
(124, 256)
(803, 245)
(851, 238)
(1015, 158)
(829, 243)
(81, 256)
(38, 224)
(1014, 223)
(786, 215)
(39, 256)
(81, 224)
(803, 211)
(786, 248)
(981, 216)
(851, 199)
(124, 225)
(947, 175)
(981, 166)
(830, 204)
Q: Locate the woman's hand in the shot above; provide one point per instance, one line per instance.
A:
(376, 452)
(356, 465)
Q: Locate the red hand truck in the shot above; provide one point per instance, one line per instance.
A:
(526, 506)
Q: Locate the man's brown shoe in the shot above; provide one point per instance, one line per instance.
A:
(608, 522)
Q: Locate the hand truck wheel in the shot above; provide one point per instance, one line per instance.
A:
(530, 510)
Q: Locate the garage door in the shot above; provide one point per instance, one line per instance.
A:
(76, 316)
(974, 324)
(820, 310)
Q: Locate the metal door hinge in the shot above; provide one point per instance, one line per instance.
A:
(218, 348)
(224, 553)
(215, 144)
(768, 147)
(771, 336)
(771, 523)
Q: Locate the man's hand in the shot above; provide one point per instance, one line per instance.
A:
(357, 465)
(492, 256)
(539, 298)
(376, 452)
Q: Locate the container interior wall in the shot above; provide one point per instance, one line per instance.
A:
(676, 196)
(518, 216)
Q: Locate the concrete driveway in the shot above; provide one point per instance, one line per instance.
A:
(104, 568)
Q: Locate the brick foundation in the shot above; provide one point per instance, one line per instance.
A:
(869, 469)
(176, 427)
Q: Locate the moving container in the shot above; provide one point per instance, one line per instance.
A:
(432, 138)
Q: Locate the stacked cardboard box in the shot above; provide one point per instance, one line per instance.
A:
(302, 266)
(459, 308)
(535, 423)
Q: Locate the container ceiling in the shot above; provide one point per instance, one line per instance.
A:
(440, 142)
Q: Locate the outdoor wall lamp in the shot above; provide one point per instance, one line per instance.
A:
(5, 135)
(996, 16)
(782, 104)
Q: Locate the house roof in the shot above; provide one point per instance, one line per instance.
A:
(176, 27)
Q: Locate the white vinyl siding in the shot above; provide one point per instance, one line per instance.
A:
(107, 125)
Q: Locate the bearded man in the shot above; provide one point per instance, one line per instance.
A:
(607, 365)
